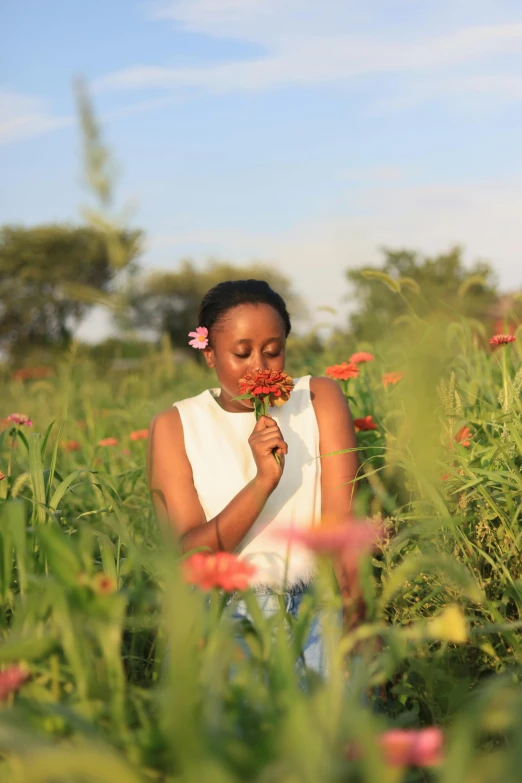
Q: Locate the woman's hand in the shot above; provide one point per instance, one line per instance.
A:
(265, 441)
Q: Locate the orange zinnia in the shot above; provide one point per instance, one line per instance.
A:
(392, 377)
(463, 436)
(139, 435)
(342, 372)
(361, 357)
(70, 445)
(267, 384)
(108, 442)
(103, 583)
(367, 423)
(502, 339)
(222, 570)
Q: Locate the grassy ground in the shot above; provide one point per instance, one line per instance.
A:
(89, 591)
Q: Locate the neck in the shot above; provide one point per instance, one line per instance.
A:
(227, 402)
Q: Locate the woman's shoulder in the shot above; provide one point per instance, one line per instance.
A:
(170, 419)
(325, 392)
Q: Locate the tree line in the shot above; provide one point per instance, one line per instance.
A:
(52, 275)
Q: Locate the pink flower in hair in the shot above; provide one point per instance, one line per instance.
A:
(200, 337)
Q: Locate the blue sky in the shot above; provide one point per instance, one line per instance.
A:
(303, 133)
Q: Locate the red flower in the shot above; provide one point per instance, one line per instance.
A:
(267, 383)
(2, 477)
(392, 377)
(463, 436)
(11, 679)
(222, 570)
(365, 424)
(70, 445)
(20, 419)
(342, 372)
(502, 339)
(410, 747)
(108, 442)
(360, 357)
(139, 435)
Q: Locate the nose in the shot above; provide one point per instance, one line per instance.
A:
(259, 361)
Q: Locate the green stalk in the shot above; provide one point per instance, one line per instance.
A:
(505, 378)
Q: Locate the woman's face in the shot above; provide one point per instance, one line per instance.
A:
(248, 337)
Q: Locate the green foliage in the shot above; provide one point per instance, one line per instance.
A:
(134, 676)
(50, 276)
(408, 283)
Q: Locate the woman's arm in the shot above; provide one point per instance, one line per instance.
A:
(338, 472)
(175, 498)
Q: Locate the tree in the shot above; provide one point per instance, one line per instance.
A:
(50, 275)
(441, 284)
(169, 301)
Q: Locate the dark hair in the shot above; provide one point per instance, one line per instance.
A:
(224, 296)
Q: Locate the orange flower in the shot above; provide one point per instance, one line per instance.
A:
(31, 373)
(70, 445)
(502, 339)
(2, 477)
(342, 372)
(139, 435)
(271, 384)
(108, 442)
(392, 377)
(365, 424)
(360, 357)
(463, 436)
(222, 570)
(103, 584)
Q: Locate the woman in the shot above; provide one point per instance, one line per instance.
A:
(211, 467)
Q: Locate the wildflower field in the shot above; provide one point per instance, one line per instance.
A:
(115, 668)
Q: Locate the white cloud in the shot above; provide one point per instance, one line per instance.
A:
(303, 47)
(484, 218)
(24, 116)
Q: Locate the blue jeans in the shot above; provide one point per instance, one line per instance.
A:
(313, 650)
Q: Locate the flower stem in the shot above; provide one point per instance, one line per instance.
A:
(505, 378)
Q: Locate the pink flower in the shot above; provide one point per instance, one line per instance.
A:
(352, 540)
(411, 747)
(20, 419)
(502, 339)
(222, 570)
(11, 679)
(200, 337)
(361, 357)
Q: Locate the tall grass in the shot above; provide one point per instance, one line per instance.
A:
(90, 590)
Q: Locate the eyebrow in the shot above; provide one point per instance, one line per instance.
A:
(248, 340)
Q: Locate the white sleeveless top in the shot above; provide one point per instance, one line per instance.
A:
(216, 443)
